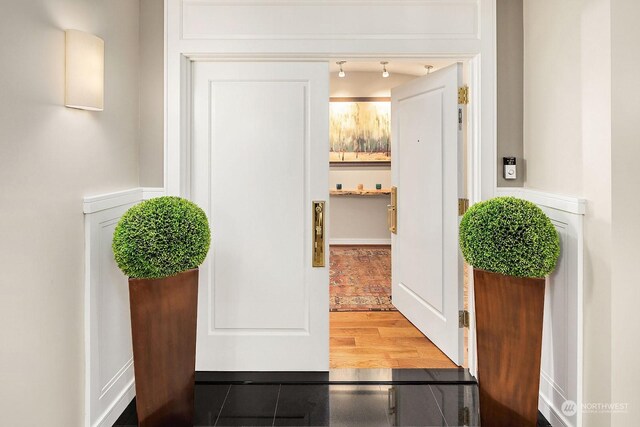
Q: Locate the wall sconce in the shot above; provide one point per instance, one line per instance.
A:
(84, 71)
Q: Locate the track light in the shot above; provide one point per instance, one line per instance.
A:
(428, 68)
(385, 73)
(341, 73)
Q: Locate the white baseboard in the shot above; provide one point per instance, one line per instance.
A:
(116, 409)
(359, 241)
(552, 414)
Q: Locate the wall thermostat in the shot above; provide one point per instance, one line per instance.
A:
(509, 164)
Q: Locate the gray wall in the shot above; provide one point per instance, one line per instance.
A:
(152, 93)
(50, 158)
(510, 90)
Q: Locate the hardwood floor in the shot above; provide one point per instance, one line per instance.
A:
(380, 340)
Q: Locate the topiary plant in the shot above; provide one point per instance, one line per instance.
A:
(161, 237)
(509, 236)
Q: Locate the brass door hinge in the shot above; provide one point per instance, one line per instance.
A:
(463, 95)
(463, 319)
(463, 206)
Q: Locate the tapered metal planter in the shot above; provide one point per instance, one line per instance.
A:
(163, 326)
(509, 313)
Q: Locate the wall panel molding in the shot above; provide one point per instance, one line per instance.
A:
(109, 378)
(93, 204)
(569, 204)
(329, 20)
(562, 338)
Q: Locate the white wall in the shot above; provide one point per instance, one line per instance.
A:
(353, 218)
(552, 119)
(567, 146)
(50, 157)
(594, 100)
(625, 179)
(151, 93)
(581, 137)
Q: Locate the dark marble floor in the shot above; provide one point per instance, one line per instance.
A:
(380, 397)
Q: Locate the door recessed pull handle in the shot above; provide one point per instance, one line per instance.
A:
(392, 211)
(318, 234)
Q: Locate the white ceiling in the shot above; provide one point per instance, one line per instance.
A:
(400, 66)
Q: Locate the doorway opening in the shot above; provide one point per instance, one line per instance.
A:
(280, 301)
(366, 328)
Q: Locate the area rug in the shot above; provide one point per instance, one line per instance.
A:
(360, 278)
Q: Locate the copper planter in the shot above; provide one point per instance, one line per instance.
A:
(163, 326)
(509, 313)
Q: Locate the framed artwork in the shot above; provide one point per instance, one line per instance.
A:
(360, 131)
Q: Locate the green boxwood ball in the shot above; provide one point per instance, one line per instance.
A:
(161, 237)
(509, 236)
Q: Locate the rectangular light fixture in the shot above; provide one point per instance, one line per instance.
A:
(84, 71)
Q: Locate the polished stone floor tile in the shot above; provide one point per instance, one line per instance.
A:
(129, 417)
(457, 375)
(416, 397)
(303, 405)
(385, 375)
(459, 404)
(542, 421)
(208, 402)
(249, 405)
(412, 405)
(358, 405)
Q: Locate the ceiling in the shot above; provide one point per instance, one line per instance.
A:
(400, 66)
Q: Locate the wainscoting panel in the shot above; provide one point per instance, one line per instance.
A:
(282, 20)
(561, 372)
(109, 379)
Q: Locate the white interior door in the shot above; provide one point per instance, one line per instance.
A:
(427, 170)
(259, 159)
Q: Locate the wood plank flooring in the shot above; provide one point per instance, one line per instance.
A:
(380, 340)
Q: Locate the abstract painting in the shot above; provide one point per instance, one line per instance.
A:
(360, 130)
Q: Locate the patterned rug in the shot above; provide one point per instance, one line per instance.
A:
(360, 278)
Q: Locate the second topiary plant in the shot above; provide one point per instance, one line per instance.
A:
(509, 236)
(159, 244)
(512, 246)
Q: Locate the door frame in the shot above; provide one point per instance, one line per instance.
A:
(470, 34)
(180, 183)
